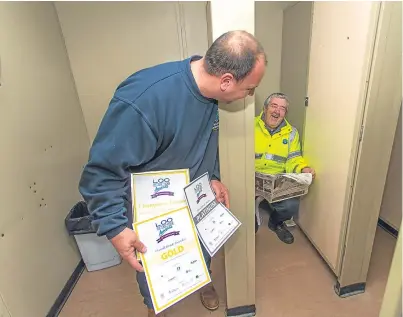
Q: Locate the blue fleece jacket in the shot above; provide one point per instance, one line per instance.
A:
(156, 120)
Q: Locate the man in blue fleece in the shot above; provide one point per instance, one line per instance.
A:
(161, 118)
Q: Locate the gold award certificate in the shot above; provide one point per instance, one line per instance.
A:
(155, 193)
(174, 264)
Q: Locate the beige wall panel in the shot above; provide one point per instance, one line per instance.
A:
(194, 16)
(391, 208)
(297, 22)
(237, 165)
(268, 30)
(338, 69)
(3, 309)
(108, 41)
(392, 300)
(44, 145)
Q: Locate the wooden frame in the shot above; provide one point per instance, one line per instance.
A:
(237, 154)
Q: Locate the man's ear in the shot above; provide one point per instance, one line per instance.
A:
(226, 81)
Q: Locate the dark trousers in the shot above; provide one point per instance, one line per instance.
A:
(284, 210)
(281, 211)
(142, 280)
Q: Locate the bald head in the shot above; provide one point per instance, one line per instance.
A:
(234, 52)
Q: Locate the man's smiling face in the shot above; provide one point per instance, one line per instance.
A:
(275, 112)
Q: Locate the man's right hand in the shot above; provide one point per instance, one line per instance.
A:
(126, 243)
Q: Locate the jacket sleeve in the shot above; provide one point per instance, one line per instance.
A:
(295, 161)
(125, 139)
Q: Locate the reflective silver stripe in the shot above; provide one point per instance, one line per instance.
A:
(276, 158)
(294, 154)
(291, 137)
(258, 155)
(293, 134)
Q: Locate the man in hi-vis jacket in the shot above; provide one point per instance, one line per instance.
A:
(278, 150)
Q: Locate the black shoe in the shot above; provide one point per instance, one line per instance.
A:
(282, 233)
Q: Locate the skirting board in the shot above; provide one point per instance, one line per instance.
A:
(242, 311)
(388, 228)
(66, 291)
(349, 290)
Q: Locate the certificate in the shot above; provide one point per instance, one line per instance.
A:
(215, 224)
(155, 193)
(174, 264)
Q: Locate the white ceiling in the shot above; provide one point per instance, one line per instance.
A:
(281, 4)
(286, 4)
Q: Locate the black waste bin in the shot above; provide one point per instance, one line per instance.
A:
(78, 220)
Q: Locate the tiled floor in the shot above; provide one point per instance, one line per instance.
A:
(291, 281)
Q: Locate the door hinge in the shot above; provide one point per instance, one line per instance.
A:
(361, 133)
(306, 101)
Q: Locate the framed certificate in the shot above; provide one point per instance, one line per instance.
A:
(154, 193)
(174, 264)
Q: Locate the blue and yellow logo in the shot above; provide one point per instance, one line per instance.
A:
(163, 227)
(160, 187)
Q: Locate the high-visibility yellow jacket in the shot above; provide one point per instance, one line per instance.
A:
(277, 153)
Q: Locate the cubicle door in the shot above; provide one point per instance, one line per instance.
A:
(340, 58)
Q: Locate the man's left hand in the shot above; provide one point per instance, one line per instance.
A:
(221, 192)
(309, 170)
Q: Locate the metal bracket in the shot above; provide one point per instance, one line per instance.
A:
(361, 133)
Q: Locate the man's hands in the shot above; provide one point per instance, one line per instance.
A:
(221, 192)
(126, 243)
(309, 170)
